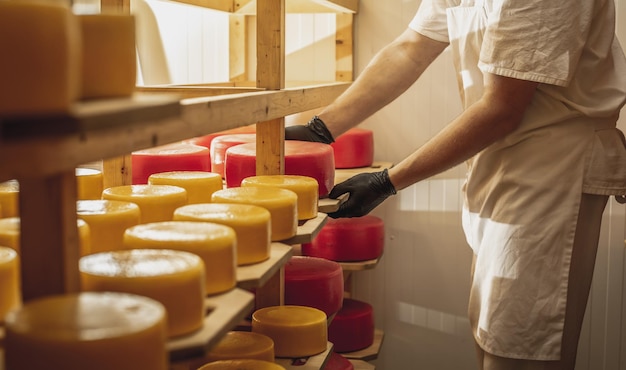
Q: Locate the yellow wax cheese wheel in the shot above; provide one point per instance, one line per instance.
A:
(109, 64)
(282, 204)
(305, 187)
(9, 198)
(215, 244)
(156, 202)
(10, 234)
(40, 63)
(252, 225)
(200, 185)
(10, 289)
(242, 345)
(95, 331)
(174, 278)
(297, 331)
(89, 183)
(245, 364)
(107, 220)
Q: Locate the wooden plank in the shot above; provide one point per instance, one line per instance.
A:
(304, 6)
(344, 37)
(342, 175)
(308, 230)
(360, 265)
(256, 275)
(270, 147)
(238, 48)
(270, 52)
(117, 171)
(190, 91)
(49, 246)
(316, 362)
(220, 5)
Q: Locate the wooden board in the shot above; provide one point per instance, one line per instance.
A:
(316, 362)
(308, 230)
(360, 265)
(256, 275)
(344, 174)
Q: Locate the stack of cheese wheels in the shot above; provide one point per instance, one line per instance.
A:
(215, 244)
(282, 205)
(166, 276)
(304, 158)
(9, 198)
(221, 143)
(166, 158)
(107, 220)
(354, 148)
(348, 239)
(40, 68)
(96, 331)
(352, 329)
(89, 183)
(206, 140)
(242, 345)
(10, 234)
(200, 185)
(306, 188)
(252, 225)
(314, 282)
(10, 289)
(338, 362)
(109, 65)
(156, 202)
(297, 331)
(242, 365)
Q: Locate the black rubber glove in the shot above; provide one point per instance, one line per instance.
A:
(315, 130)
(366, 191)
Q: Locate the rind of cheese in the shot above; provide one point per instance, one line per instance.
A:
(40, 64)
(352, 328)
(96, 331)
(163, 275)
(10, 288)
(282, 205)
(156, 202)
(242, 345)
(109, 64)
(242, 365)
(89, 184)
(107, 220)
(305, 187)
(215, 244)
(251, 223)
(200, 185)
(171, 157)
(297, 331)
(9, 198)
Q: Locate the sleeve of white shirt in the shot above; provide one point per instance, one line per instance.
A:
(431, 20)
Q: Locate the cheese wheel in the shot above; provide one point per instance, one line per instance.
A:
(348, 239)
(166, 158)
(354, 148)
(89, 184)
(297, 331)
(282, 205)
(314, 282)
(221, 143)
(9, 198)
(252, 225)
(205, 140)
(245, 364)
(10, 234)
(10, 289)
(215, 244)
(156, 202)
(242, 345)
(107, 220)
(109, 64)
(306, 188)
(338, 362)
(199, 184)
(352, 328)
(303, 158)
(163, 275)
(95, 331)
(40, 65)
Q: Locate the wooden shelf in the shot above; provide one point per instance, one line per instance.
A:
(256, 275)
(248, 7)
(307, 230)
(370, 353)
(343, 174)
(316, 362)
(224, 312)
(360, 265)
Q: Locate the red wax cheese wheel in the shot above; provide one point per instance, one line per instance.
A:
(304, 158)
(352, 328)
(221, 143)
(338, 362)
(314, 282)
(348, 239)
(354, 148)
(166, 158)
(206, 140)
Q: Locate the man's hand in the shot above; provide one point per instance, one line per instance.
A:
(366, 191)
(315, 130)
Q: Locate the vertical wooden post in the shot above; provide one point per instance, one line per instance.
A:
(344, 46)
(238, 47)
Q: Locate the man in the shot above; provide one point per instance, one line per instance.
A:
(542, 84)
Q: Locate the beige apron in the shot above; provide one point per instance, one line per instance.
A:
(522, 199)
